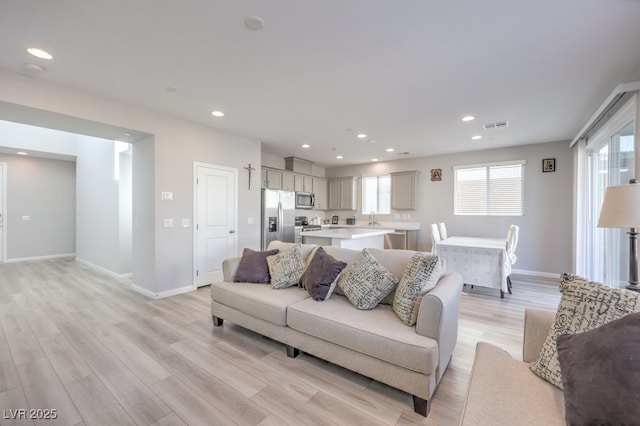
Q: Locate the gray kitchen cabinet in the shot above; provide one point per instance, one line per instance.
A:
(303, 183)
(288, 182)
(320, 191)
(342, 193)
(404, 190)
(272, 179)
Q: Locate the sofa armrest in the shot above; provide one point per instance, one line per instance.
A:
(536, 327)
(438, 316)
(229, 268)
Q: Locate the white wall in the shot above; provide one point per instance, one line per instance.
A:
(43, 189)
(99, 237)
(31, 138)
(545, 244)
(162, 258)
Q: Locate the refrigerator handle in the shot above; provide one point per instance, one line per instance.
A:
(280, 220)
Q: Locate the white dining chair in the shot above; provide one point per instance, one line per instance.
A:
(442, 228)
(435, 234)
(512, 243)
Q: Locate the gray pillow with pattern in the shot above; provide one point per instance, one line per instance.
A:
(421, 275)
(286, 268)
(367, 282)
(584, 305)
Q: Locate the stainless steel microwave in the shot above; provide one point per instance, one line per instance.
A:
(305, 200)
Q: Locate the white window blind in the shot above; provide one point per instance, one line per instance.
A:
(490, 189)
(376, 194)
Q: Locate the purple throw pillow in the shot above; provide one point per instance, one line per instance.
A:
(601, 373)
(320, 276)
(253, 266)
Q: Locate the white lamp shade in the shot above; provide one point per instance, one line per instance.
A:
(621, 207)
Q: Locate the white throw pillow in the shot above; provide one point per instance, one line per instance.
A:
(421, 275)
(367, 282)
(286, 268)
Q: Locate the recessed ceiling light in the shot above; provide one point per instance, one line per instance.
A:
(21, 153)
(468, 118)
(39, 53)
(372, 140)
(306, 145)
(126, 134)
(361, 135)
(254, 23)
(374, 159)
(390, 149)
(339, 157)
(476, 137)
(217, 114)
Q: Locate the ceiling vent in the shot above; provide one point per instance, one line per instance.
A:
(496, 125)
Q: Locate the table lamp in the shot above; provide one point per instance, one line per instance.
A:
(621, 209)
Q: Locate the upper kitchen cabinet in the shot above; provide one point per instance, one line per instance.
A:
(342, 193)
(271, 179)
(288, 182)
(303, 183)
(404, 190)
(320, 191)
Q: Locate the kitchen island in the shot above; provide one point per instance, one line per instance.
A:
(353, 238)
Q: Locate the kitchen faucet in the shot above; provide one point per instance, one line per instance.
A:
(372, 219)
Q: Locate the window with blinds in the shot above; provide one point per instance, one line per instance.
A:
(489, 189)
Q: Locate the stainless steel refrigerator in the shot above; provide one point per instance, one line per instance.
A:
(278, 216)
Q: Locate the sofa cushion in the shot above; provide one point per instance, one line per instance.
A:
(584, 305)
(607, 358)
(502, 391)
(367, 282)
(253, 266)
(258, 300)
(286, 267)
(378, 332)
(320, 277)
(420, 276)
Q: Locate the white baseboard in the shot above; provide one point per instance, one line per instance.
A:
(161, 295)
(550, 275)
(102, 269)
(29, 259)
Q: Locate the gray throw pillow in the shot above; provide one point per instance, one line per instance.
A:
(584, 305)
(286, 267)
(253, 266)
(367, 282)
(421, 275)
(601, 373)
(319, 279)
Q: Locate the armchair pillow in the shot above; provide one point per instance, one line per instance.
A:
(253, 266)
(601, 373)
(584, 305)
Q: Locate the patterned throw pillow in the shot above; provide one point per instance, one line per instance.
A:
(421, 275)
(286, 267)
(584, 305)
(367, 282)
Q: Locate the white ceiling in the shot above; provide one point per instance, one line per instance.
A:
(404, 72)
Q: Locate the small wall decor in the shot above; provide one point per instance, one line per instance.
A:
(549, 165)
(334, 220)
(436, 175)
(249, 169)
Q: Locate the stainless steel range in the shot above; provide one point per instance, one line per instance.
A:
(302, 225)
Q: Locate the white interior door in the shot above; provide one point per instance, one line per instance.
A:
(3, 170)
(215, 222)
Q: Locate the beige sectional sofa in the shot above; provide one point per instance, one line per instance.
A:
(374, 343)
(504, 391)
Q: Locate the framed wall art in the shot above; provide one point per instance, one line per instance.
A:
(549, 165)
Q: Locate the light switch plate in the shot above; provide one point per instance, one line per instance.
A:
(167, 196)
(168, 223)
(186, 223)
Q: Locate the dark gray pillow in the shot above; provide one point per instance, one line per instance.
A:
(253, 266)
(319, 279)
(601, 373)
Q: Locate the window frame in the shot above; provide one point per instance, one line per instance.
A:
(487, 212)
(363, 196)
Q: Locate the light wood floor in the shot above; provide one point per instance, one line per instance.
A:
(84, 344)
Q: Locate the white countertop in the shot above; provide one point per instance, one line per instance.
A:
(351, 233)
(401, 226)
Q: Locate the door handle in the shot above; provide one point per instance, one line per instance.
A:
(232, 231)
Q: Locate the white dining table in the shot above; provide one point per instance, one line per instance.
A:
(480, 261)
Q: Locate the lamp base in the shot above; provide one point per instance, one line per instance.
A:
(634, 287)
